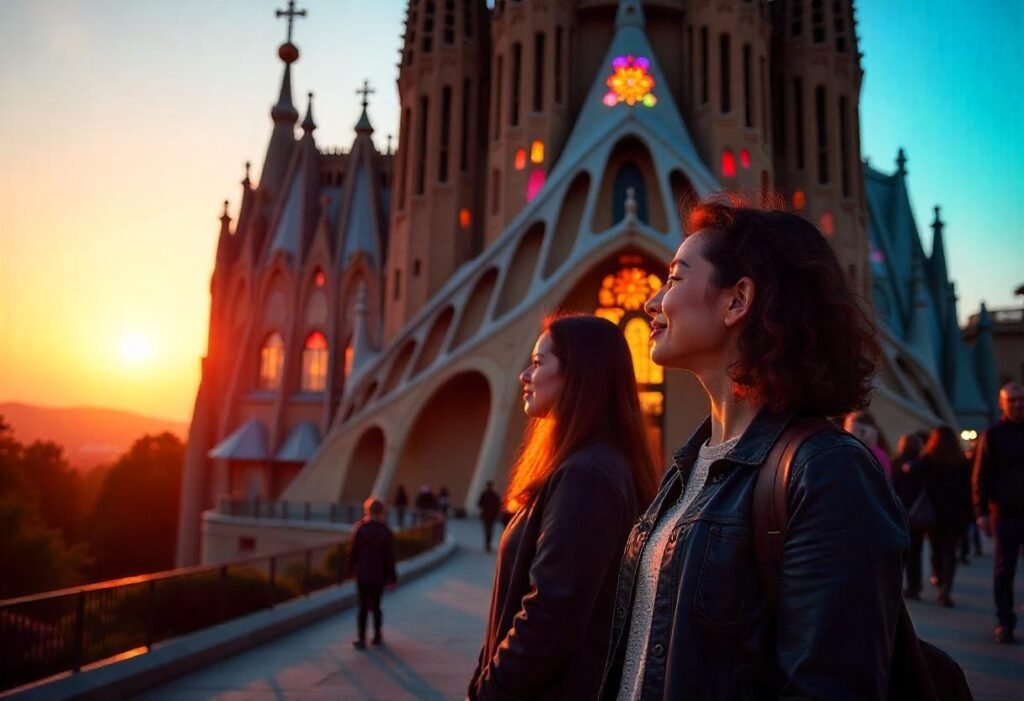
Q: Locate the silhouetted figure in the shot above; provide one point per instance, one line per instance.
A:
(908, 485)
(401, 504)
(490, 506)
(372, 561)
(999, 499)
(425, 501)
(444, 500)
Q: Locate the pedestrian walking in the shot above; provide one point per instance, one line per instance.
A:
(998, 483)
(947, 482)
(582, 474)
(426, 501)
(444, 500)
(908, 485)
(401, 503)
(489, 504)
(372, 561)
(758, 308)
(863, 425)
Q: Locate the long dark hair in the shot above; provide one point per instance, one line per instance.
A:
(598, 402)
(943, 447)
(808, 344)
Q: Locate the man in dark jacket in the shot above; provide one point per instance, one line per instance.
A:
(999, 499)
(372, 561)
(489, 504)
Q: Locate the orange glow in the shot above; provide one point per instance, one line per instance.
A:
(465, 218)
(537, 152)
(629, 289)
(314, 363)
(728, 163)
(799, 200)
(319, 279)
(520, 159)
(271, 362)
(135, 348)
(827, 224)
(745, 158)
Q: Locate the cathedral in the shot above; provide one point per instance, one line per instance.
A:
(370, 312)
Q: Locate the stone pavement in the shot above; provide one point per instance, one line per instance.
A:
(433, 627)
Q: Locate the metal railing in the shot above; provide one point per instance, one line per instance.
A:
(312, 512)
(60, 631)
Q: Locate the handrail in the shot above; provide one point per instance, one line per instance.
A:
(64, 630)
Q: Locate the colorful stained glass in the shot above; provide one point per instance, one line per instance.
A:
(629, 289)
(465, 218)
(537, 152)
(535, 183)
(520, 159)
(728, 164)
(314, 363)
(630, 82)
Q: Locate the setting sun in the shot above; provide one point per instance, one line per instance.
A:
(135, 348)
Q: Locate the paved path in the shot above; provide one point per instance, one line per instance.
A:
(433, 627)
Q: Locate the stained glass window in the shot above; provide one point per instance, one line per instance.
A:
(630, 82)
(535, 183)
(537, 152)
(271, 361)
(520, 159)
(314, 363)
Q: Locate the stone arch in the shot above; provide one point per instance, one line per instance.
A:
(363, 466)
(570, 216)
(475, 308)
(435, 339)
(521, 270)
(629, 157)
(398, 367)
(429, 455)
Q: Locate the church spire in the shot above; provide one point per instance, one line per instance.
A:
(308, 125)
(283, 113)
(363, 126)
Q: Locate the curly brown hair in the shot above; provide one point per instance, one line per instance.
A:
(808, 344)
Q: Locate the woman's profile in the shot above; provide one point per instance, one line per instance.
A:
(582, 476)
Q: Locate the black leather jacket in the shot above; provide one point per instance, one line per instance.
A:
(713, 635)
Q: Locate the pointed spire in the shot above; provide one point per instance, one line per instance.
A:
(630, 14)
(308, 125)
(901, 162)
(283, 113)
(363, 126)
(985, 360)
(247, 182)
(225, 221)
(390, 139)
(921, 332)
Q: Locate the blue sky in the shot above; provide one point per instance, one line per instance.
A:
(124, 125)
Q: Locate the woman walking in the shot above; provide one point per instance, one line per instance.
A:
(947, 481)
(758, 308)
(582, 476)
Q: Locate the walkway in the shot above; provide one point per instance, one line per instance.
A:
(433, 627)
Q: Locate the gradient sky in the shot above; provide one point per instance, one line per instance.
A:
(124, 125)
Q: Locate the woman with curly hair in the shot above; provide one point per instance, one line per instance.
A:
(582, 476)
(757, 307)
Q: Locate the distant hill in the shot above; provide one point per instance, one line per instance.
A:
(90, 435)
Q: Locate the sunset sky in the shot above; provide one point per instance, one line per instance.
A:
(124, 125)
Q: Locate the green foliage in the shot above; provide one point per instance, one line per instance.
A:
(134, 525)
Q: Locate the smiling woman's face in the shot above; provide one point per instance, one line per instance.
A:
(542, 379)
(688, 313)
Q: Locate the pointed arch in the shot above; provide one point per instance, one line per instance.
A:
(435, 338)
(521, 271)
(363, 466)
(314, 362)
(475, 308)
(271, 361)
(629, 165)
(570, 217)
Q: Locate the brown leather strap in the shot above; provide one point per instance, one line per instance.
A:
(771, 501)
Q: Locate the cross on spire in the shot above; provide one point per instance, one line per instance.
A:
(365, 91)
(291, 13)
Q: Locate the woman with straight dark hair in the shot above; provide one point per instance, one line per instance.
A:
(582, 476)
(758, 308)
(947, 481)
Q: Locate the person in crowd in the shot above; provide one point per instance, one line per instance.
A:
(863, 425)
(908, 485)
(971, 534)
(401, 503)
(372, 561)
(581, 477)
(444, 500)
(489, 504)
(757, 307)
(426, 500)
(998, 486)
(947, 482)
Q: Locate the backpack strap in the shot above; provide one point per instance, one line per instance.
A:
(771, 501)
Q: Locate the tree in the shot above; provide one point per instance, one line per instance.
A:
(135, 520)
(55, 486)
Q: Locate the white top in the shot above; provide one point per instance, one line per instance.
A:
(649, 569)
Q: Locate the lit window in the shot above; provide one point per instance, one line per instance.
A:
(745, 158)
(630, 82)
(799, 200)
(537, 152)
(350, 355)
(827, 224)
(319, 279)
(629, 288)
(728, 163)
(271, 361)
(314, 363)
(535, 183)
(465, 218)
(520, 161)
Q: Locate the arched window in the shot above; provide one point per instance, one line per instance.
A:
(629, 176)
(620, 300)
(271, 361)
(314, 363)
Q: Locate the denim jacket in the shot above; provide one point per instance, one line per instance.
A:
(713, 634)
